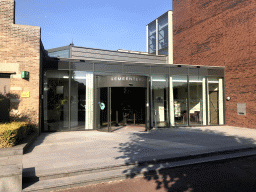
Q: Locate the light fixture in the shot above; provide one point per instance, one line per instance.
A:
(159, 80)
(228, 98)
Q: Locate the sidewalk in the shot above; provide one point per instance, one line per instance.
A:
(94, 149)
(68, 151)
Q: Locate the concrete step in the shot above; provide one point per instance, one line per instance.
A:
(30, 174)
(41, 175)
(84, 177)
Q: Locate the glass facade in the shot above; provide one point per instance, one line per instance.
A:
(82, 96)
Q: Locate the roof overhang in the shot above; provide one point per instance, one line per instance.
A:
(95, 61)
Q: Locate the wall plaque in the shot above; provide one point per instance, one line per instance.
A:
(25, 94)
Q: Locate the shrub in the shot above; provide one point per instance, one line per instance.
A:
(12, 133)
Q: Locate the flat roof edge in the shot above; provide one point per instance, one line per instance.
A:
(120, 51)
(158, 17)
(129, 63)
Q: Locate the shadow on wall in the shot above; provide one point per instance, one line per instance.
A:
(9, 104)
(183, 178)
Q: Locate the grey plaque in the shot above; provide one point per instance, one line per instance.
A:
(241, 108)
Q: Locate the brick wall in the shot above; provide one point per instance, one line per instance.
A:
(221, 33)
(20, 51)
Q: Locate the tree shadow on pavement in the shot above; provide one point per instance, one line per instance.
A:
(200, 177)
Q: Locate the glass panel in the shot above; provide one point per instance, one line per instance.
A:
(62, 53)
(152, 37)
(196, 100)
(163, 51)
(102, 109)
(163, 22)
(136, 69)
(163, 43)
(79, 100)
(152, 28)
(163, 35)
(56, 100)
(158, 70)
(152, 49)
(179, 115)
(108, 67)
(160, 100)
(213, 100)
(83, 66)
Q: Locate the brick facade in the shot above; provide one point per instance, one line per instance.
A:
(221, 33)
(20, 50)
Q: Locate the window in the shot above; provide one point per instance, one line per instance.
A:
(163, 35)
(62, 54)
(152, 37)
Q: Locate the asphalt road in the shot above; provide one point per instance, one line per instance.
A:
(230, 175)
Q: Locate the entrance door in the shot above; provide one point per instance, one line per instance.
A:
(102, 109)
(213, 96)
(128, 106)
(120, 106)
(120, 101)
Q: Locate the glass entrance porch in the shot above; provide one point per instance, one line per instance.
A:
(87, 96)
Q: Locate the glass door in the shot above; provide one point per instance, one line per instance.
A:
(117, 106)
(159, 100)
(78, 91)
(213, 100)
(102, 109)
(179, 100)
(196, 100)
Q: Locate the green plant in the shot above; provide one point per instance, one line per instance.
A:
(13, 133)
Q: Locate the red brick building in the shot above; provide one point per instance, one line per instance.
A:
(221, 33)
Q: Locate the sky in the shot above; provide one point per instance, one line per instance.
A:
(103, 24)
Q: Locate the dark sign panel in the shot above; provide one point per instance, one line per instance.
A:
(123, 81)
